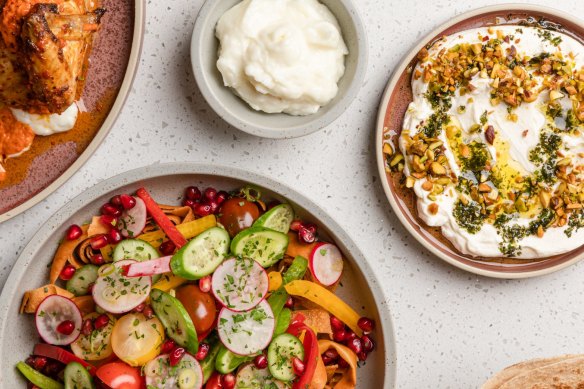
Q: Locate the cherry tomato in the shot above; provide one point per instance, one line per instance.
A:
(118, 375)
(199, 305)
(214, 382)
(237, 214)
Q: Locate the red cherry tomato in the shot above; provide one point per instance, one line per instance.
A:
(118, 375)
(199, 305)
(237, 214)
(214, 382)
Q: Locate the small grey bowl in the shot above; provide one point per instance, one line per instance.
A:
(235, 111)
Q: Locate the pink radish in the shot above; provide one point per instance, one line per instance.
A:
(240, 284)
(326, 263)
(246, 333)
(116, 293)
(51, 312)
(133, 220)
(148, 268)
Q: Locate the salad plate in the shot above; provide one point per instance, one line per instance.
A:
(101, 93)
(509, 240)
(166, 183)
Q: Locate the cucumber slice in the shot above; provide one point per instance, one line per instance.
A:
(138, 250)
(201, 256)
(278, 218)
(175, 319)
(250, 377)
(77, 377)
(226, 361)
(36, 378)
(262, 244)
(280, 353)
(82, 279)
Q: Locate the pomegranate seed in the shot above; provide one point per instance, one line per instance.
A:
(90, 288)
(331, 353)
(114, 236)
(214, 206)
(228, 381)
(202, 352)
(304, 235)
(327, 360)
(221, 197)
(74, 232)
(128, 202)
(97, 259)
(139, 308)
(339, 336)
(202, 210)
(366, 324)
(67, 273)
(295, 225)
(336, 324)
(210, 194)
(355, 345)
(205, 284)
(101, 321)
(167, 346)
(368, 344)
(289, 303)
(116, 201)
(310, 227)
(297, 366)
(99, 242)
(53, 368)
(189, 203)
(66, 327)
(342, 363)
(362, 356)
(261, 361)
(39, 363)
(167, 248)
(193, 193)
(350, 336)
(108, 220)
(110, 209)
(148, 312)
(87, 327)
(330, 357)
(176, 355)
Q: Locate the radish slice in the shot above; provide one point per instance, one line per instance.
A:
(148, 268)
(240, 284)
(116, 293)
(133, 221)
(51, 312)
(186, 374)
(246, 333)
(326, 263)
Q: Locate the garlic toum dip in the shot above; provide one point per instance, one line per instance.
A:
(492, 143)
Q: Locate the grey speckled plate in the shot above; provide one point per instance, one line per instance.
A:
(166, 182)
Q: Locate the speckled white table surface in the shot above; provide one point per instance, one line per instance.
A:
(453, 329)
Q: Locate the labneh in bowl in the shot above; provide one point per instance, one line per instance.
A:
(236, 112)
(394, 105)
(359, 286)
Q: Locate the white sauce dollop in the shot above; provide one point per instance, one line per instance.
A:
(45, 125)
(486, 241)
(281, 55)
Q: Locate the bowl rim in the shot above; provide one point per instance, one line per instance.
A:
(114, 113)
(395, 76)
(47, 231)
(258, 129)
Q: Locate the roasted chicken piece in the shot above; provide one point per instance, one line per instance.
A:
(42, 74)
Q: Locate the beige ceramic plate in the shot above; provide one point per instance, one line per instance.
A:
(395, 101)
(54, 159)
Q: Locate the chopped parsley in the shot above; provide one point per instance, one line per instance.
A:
(469, 216)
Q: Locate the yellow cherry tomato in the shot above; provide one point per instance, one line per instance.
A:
(136, 339)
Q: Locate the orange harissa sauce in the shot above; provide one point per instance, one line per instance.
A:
(13, 12)
(14, 136)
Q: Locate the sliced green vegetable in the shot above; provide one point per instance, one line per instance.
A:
(82, 279)
(226, 361)
(278, 218)
(208, 364)
(280, 353)
(77, 377)
(202, 255)
(296, 271)
(262, 244)
(277, 300)
(283, 321)
(38, 379)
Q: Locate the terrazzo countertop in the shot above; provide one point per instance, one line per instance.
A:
(453, 329)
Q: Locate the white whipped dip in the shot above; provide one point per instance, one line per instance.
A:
(45, 125)
(486, 241)
(281, 55)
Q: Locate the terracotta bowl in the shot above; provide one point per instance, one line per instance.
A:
(52, 160)
(360, 287)
(396, 99)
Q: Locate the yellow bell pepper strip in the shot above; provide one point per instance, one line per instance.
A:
(274, 281)
(349, 379)
(188, 230)
(168, 282)
(327, 300)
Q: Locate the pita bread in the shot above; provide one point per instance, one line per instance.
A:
(563, 372)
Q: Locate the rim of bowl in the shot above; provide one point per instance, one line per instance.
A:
(185, 168)
(114, 113)
(389, 194)
(257, 128)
